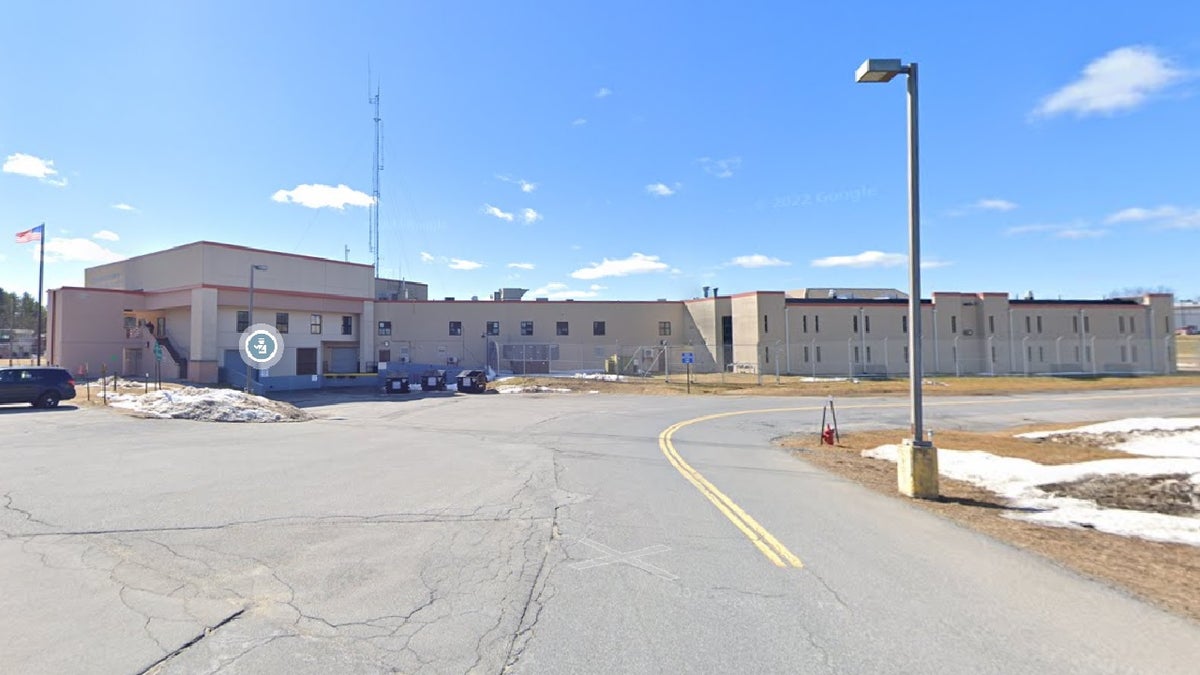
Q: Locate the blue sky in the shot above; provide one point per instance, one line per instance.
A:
(616, 150)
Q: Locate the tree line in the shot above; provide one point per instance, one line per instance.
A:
(19, 311)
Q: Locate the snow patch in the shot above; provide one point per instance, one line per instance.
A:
(208, 405)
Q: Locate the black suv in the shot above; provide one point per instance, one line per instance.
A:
(41, 386)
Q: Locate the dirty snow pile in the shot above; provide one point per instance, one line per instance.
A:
(1169, 449)
(603, 377)
(530, 389)
(208, 405)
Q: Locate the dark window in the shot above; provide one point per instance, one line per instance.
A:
(597, 328)
(243, 320)
(857, 356)
(385, 328)
(1039, 321)
(804, 324)
(314, 327)
(1131, 328)
(1028, 324)
(385, 355)
(306, 360)
(664, 327)
(561, 328)
(1075, 324)
(991, 325)
(526, 328)
(766, 326)
(867, 326)
(1087, 323)
(817, 327)
(954, 324)
(904, 324)
(281, 322)
(347, 325)
(493, 328)
(868, 354)
(456, 328)
(854, 323)
(818, 353)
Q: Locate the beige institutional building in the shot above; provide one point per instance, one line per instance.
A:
(338, 322)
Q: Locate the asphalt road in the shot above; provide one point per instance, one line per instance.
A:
(534, 534)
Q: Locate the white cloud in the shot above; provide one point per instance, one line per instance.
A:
(757, 260)
(316, 196)
(106, 235)
(661, 189)
(460, 264)
(637, 263)
(597, 287)
(22, 164)
(995, 205)
(578, 122)
(521, 266)
(934, 264)
(864, 259)
(560, 291)
(1175, 217)
(1073, 230)
(530, 216)
(427, 257)
(526, 186)
(721, 168)
(124, 207)
(1120, 80)
(59, 249)
(603, 92)
(494, 211)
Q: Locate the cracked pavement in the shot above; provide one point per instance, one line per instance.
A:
(452, 535)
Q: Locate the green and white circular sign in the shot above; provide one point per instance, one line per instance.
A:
(261, 346)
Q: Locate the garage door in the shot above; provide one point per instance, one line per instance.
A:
(343, 360)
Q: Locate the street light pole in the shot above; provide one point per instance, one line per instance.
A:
(250, 313)
(918, 475)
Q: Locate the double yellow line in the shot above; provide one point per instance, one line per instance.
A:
(756, 533)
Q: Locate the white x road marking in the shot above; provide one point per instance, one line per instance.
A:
(633, 558)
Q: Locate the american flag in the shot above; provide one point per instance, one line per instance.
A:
(29, 236)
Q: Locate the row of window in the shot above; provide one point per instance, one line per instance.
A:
(560, 328)
(315, 326)
(1030, 323)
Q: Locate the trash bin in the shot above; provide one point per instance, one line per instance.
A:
(398, 385)
(433, 380)
(472, 381)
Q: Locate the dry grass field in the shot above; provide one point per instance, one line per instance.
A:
(1189, 352)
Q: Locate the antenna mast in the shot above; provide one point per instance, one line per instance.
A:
(376, 167)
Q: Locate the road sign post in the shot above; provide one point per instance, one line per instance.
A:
(688, 358)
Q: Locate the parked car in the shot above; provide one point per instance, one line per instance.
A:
(40, 386)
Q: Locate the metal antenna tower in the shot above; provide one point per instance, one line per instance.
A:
(376, 167)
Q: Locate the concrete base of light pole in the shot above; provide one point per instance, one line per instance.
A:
(917, 469)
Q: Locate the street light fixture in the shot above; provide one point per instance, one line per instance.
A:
(250, 313)
(917, 465)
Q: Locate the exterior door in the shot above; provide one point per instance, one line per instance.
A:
(306, 361)
(343, 359)
(160, 327)
(132, 363)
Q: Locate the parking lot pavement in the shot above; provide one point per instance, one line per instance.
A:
(467, 533)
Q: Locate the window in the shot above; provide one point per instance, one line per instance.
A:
(857, 356)
(1028, 354)
(806, 354)
(991, 325)
(314, 327)
(1121, 326)
(767, 354)
(1133, 356)
(1124, 354)
(597, 328)
(766, 326)
(818, 353)
(867, 326)
(243, 320)
(1087, 351)
(385, 327)
(1166, 324)
(1028, 325)
(906, 353)
(1042, 354)
(1074, 324)
(347, 325)
(868, 354)
(456, 328)
(993, 354)
(854, 323)
(1087, 323)
(306, 361)
(493, 328)
(953, 324)
(562, 328)
(1076, 352)
(1039, 322)
(664, 327)
(526, 328)
(281, 322)
(804, 322)
(1131, 328)
(904, 324)
(817, 327)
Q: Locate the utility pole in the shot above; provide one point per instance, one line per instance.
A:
(376, 167)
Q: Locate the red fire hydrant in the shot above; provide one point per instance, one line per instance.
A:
(827, 435)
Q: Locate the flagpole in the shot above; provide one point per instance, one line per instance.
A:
(37, 333)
